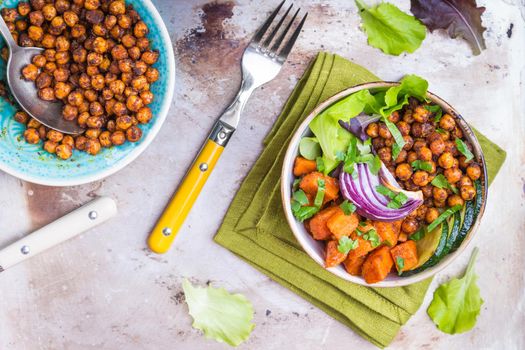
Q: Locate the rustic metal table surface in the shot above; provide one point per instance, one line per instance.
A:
(105, 290)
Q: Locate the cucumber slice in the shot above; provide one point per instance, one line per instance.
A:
(430, 249)
(472, 209)
(454, 233)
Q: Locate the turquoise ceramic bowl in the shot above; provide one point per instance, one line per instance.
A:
(33, 164)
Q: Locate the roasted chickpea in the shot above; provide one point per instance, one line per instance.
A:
(119, 109)
(141, 67)
(117, 7)
(439, 194)
(61, 75)
(147, 98)
(64, 151)
(437, 147)
(36, 18)
(440, 204)
(421, 212)
(42, 131)
(33, 123)
(92, 133)
(30, 72)
(84, 81)
(105, 139)
(433, 167)
(94, 122)
(150, 57)
(468, 192)
(152, 74)
(117, 87)
(383, 130)
(143, 43)
(144, 115)
(21, 25)
(50, 146)
(455, 200)
(421, 114)
(107, 94)
(50, 54)
(68, 140)
(123, 122)
(424, 154)
(62, 57)
(421, 178)
(82, 118)
(124, 21)
(83, 107)
(90, 95)
(11, 26)
(91, 4)
(447, 122)
(404, 171)
(134, 53)
(100, 46)
(450, 146)
(94, 58)
(9, 15)
(139, 83)
(43, 80)
(49, 11)
(94, 16)
(385, 154)
(62, 6)
(97, 82)
(116, 32)
(70, 18)
(409, 225)
(431, 215)
(80, 142)
(61, 43)
(453, 175)
(446, 160)
(21, 117)
(32, 136)
(46, 94)
(48, 41)
(465, 181)
(427, 190)
(104, 65)
(418, 144)
(57, 25)
(39, 60)
(119, 52)
(403, 127)
(118, 137)
(133, 134)
(55, 136)
(411, 156)
(50, 67)
(78, 31)
(4, 53)
(92, 70)
(141, 30)
(134, 103)
(125, 65)
(96, 109)
(75, 98)
(110, 21)
(474, 172)
(23, 8)
(24, 40)
(69, 112)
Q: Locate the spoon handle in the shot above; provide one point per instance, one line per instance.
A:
(7, 35)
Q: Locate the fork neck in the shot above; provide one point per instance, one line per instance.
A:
(232, 114)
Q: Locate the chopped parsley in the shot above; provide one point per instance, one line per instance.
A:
(347, 207)
(463, 148)
(396, 199)
(441, 181)
(347, 244)
(300, 201)
(418, 234)
(421, 165)
(400, 262)
(373, 237)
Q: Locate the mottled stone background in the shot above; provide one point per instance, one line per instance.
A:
(105, 290)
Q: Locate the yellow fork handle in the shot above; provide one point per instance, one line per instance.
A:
(180, 204)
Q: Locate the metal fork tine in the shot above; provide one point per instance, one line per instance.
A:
(288, 47)
(276, 45)
(277, 27)
(260, 33)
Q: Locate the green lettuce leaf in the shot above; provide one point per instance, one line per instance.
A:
(457, 303)
(309, 148)
(220, 315)
(390, 29)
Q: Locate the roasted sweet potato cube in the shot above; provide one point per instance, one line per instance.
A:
(377, 265)
(309, 184)
(388, 231)
(353, 265)
(333, 256)
(317, 223)
(408, 252)
(364, 246)
(303, 166)
(342, 225)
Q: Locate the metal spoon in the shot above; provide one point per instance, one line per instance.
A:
(25, 92)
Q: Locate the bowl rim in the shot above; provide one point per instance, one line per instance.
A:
(135, 152)
(287, 167)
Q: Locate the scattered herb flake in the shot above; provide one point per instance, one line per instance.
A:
(300, 197)
(421, 165)
(463, 148)
(441, 181)
(347, 244)
(347, 207)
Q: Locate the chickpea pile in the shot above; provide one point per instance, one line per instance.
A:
(433, 143)
(97, 61)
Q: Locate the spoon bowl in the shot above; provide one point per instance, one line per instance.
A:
(25, 92)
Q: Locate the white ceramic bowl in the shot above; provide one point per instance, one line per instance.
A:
(316, 249)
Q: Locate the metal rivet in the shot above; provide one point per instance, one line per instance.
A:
(24, 250)
(222, 135)
(93, 215)
(203, 166)
(166, 231)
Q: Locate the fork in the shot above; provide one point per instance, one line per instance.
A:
(261, 62)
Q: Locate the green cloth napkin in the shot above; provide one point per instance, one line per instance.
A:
(255, 227)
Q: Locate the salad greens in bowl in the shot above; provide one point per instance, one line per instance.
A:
(384, 184)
